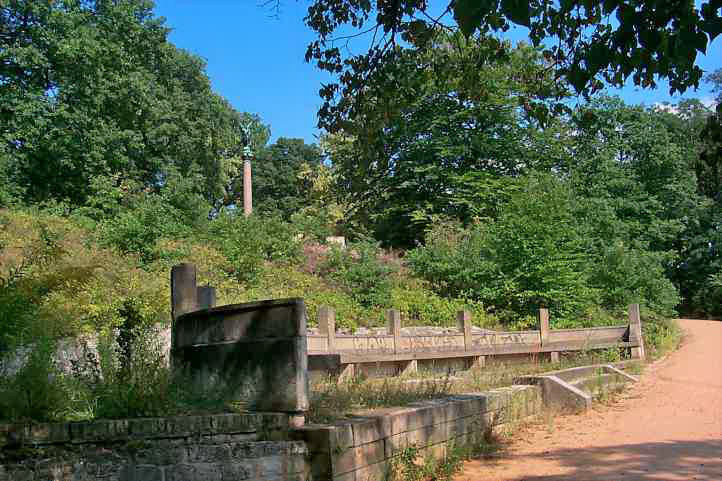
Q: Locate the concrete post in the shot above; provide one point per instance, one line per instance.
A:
(247, 194)
(206, 297)
(183, 291)
(544, 325)
(635, 331)
(327, 326)
(394, 318)
(463, 321)
(183, 294)
(544, 332)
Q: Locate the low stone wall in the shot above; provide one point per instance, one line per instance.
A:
(219, 447)
(363, 448)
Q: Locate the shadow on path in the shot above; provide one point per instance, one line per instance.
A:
(669, 460)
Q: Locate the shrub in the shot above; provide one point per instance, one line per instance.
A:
(624, 276)
(530, 256)
(420, 306)
(135, 379)
(248, 242)
(37, 391)
(138, 229)
(69, 285)
(661, 335)
(359, 271)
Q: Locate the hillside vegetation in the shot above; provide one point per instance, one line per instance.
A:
(469, 177)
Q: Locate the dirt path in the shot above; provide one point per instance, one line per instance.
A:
(667, 427)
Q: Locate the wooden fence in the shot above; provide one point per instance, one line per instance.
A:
(345, 354)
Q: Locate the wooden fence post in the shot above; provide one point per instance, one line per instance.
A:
(635, 331)
(327, 326)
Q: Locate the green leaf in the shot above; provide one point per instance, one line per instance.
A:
(469, 14)
(518, 11)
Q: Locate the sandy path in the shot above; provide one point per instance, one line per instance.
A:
(667, 427)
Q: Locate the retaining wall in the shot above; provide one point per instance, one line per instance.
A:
(364, 448)
(221, 447)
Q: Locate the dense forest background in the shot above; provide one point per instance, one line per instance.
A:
(469, 176)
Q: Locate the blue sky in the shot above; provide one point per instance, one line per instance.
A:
(256, 61)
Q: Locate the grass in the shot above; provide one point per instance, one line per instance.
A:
(331, 400)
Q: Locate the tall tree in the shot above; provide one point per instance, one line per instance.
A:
(93, 88)
(442, 130)
(283, 176)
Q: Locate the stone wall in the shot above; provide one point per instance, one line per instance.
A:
(221, 447)
(363, 448)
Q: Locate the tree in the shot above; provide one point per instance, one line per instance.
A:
(585, 42)
(94, 88)
(533, 254)
(709, 167)
(283, 176)
(632, 170)
(443, 129)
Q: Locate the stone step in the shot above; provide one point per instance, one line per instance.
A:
(601, 383)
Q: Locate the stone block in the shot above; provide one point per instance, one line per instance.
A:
(153, 427)
(235, 472)
(254, 352)
(469, 404)
(357, 457)
(49, 433)
(374, 472)
(271, 319)
(209, 453)
(96, 431)
(273, 467)
(180, 472)
(146, 473)
(366, 430)
(161, 454)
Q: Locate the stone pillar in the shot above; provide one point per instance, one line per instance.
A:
(463, 321)
(394, 318)
(554, 356)
(635, 331)
(206, 297)
(247, 194)
(327, 326)
(183, 291)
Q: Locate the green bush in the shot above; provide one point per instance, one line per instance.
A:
(249, 242)
(661, 335)
(361, 273)
(624, 276)
(420, 306)
(530, 256)
(134, 377)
